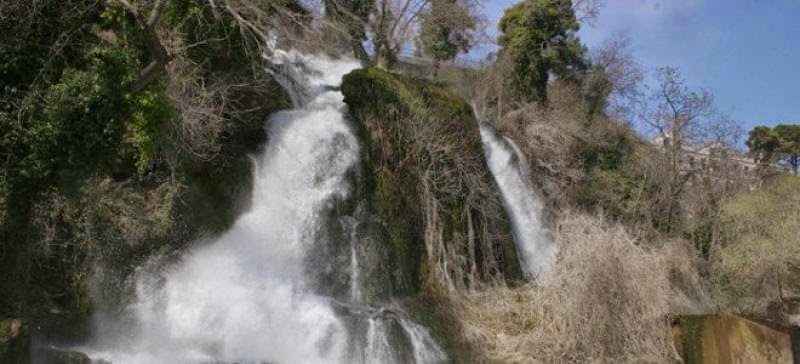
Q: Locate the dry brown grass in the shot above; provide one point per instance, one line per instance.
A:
(607, 300)
(548, 140)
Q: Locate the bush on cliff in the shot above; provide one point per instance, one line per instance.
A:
(98, 172)
(428, 181)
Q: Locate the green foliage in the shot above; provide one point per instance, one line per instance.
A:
(613, 190)
(760, 253)
(215, 40)
(789, 137)
(151, 110)
(703, 236)
(596, 87)
(612, 158)
(72, 131)
(35, 46)
(81, 119)
(540, 36)
(763, 143)
(446, 30)
(423, 143)
(123, 217)
(779, 143)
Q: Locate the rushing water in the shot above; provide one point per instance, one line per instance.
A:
(535, 248)
(254, 294)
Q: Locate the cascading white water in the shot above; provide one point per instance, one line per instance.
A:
(248, 296)
(535, 248)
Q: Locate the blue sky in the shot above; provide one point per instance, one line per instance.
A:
(746, 52)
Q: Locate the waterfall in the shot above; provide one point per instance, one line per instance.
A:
(265, 291)
(535, 248)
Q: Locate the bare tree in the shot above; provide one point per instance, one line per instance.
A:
(676, 117)
(587, 11)
(255, 20)
(349, 19)
(684, 120)
(625, 75)
(389, 25)
(679, 114)
(393, 26)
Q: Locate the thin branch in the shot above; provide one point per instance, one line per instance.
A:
(153, 43)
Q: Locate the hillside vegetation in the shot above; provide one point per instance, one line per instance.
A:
(112, 152)
(429, 181)
(643, 236)
(127, 128)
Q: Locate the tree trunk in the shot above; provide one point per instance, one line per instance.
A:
(360, 53)
(381, 61)
(160, 54)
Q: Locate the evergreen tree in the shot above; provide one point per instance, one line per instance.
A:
(446, 30)
(541, 38)
(781, 143)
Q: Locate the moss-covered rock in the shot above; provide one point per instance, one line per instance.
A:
(427, 180)
(14, 342)
(726, 338)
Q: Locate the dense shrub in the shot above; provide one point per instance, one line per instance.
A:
(596, 163)
(95, 174)
(606, 300)
(81, 119)
(151, 111)
(541, 39)
(759, 259)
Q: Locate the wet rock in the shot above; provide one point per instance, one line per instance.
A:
(729, 339)
(425, 173)
(52, 355)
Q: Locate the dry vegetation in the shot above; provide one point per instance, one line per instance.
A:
(620, 276)
(758, 261)
(607, 299)
(641, 238)
(622, 267)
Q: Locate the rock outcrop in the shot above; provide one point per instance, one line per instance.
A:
(427, 182)
(729, 339)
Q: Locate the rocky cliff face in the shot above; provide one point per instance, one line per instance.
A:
(427, 182)
(726, 338)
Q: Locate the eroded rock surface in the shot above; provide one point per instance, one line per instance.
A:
(729, 339)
